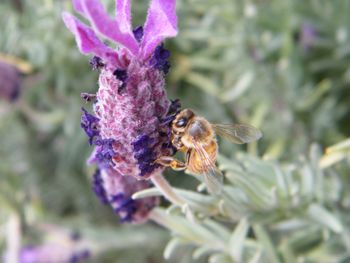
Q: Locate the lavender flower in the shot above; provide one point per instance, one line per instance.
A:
(131, 101)
(307, 36)
(130, 122)
(52, 253)
(10, 82)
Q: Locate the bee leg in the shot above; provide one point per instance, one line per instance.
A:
(187, 157)
(171, 162)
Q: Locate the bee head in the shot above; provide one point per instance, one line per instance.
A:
(182, 120)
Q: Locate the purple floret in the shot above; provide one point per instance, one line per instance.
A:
(90, 125)
(138, 33)
(80, 256)
(97, 187)
(160, 58)
(96, 63)
(125, 206)
(120, 74)
(144, 154)
(105, 152)
(142, 142)
(88, 96)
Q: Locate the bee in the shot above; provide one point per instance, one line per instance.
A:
(196, 137)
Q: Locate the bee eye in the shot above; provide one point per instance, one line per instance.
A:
(181, 123)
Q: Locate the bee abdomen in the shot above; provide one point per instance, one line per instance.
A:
(196, 163)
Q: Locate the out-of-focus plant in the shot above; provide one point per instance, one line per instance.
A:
(268, 212)
(279, 65)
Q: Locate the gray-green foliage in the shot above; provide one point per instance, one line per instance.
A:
(285, 200)
(268, 212)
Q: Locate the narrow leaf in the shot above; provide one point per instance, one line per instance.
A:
(201, 252)
(171, 247)
(239, 88)
(264, 239)
(146, 193)
(236, 243)
(219, 258)
(324, 217)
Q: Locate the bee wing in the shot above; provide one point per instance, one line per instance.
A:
(238, 133)
(214, 182)
(213, 177)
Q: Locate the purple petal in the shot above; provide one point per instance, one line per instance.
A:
(161, 23)
(78, 6)
(87, 40)
(108, 27)
(123, 15)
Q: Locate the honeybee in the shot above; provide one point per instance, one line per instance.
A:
(196, 137)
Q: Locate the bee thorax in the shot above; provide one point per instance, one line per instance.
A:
(200, 129)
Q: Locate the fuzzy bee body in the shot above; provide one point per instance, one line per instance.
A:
(196, 137)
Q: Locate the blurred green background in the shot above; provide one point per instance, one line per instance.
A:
(280, 65)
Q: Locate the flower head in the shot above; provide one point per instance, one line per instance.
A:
(127, 126)
(130, 123)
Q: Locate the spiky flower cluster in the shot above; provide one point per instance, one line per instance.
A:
(130, 124)
(116, 190)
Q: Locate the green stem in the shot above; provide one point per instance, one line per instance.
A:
(166, 190)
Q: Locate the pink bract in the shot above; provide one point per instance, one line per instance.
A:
(161, 23)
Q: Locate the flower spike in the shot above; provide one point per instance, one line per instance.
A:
(129, 125)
